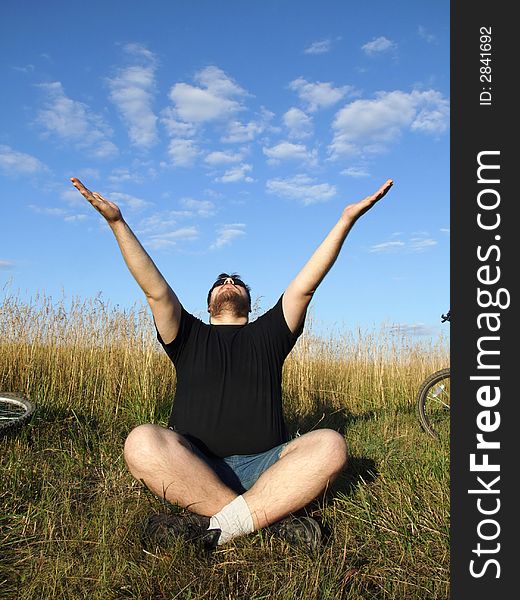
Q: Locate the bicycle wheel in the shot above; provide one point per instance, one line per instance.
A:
(433, 404)
(15, 411)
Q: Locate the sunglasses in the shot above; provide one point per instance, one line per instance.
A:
(222, 281)
(236, 281)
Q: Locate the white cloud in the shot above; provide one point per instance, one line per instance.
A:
(242, 132)
(321, 47)
(123, 175)
(215, 98)
(318, 95)
(88, 173)
(369, 126)
(418, 243)
(378, 46)
(238, 173)
(213, 193)
(238, 132)
(171, 238)
(183, 152)
(227, 233)
(198, 105)
(201, 208)
(433, 115)
(131, 90)
(302, 188)
(26, 69)
(387, 246)
(140, 51)
(6, 264)
(162, 225)
(356, 172)
(48, 210)
(174, 126)
(298, 123)
(288, 151)
(74, 218)
(73, 121)
(425, 35)
(407, 329)
(13, 162)
(218, 83)
(159, 222)
(220, 157)
(63, 213)
(126, 200)
(73, 198)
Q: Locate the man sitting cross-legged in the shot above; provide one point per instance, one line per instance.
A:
(225, 455)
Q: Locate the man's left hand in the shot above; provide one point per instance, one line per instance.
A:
(353, 211)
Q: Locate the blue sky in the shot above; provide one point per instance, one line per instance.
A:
(231, 134)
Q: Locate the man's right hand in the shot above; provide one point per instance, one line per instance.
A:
(105, 207)
(165, 305)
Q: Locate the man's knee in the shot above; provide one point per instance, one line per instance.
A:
(325, 446)
(146, 443)
(139, 442)
(334, 449)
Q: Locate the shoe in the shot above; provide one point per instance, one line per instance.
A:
(163, 529)
(299, 531)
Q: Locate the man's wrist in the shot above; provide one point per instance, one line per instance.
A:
(346, 222)
(117, 225)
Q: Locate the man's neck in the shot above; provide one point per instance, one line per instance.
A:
(226, 318)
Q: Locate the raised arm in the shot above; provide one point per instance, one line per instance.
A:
(300, 291)
(165, 305)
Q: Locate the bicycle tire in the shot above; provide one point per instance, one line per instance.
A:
(15, 411)
(433, 404)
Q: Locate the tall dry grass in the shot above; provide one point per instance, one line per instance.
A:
(69, 511)
(85, 354)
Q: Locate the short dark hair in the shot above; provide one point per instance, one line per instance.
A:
(233, 276)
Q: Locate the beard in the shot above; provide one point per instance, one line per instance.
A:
(229, 301)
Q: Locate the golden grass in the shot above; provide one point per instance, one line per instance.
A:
(69, 509)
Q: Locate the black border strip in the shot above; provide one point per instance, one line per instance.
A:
(482, 124)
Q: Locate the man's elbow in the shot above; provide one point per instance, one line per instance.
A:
(159, 293)
(300, 291)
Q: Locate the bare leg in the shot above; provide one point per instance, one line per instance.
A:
(305, 468)
(163, 460)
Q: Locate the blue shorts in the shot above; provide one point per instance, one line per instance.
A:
(241, 471)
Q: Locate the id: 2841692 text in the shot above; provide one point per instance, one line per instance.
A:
(485, 66)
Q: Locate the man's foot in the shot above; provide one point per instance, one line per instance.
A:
(300, 531)
(164, 529)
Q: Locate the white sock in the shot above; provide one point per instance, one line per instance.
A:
(233, 520)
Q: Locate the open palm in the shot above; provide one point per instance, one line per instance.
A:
(354, 211)
(105, 207)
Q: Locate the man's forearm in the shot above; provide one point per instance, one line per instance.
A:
(326, 254)
(299, 293)
(140, 265)
(321, 261)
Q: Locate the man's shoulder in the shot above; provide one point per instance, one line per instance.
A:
(188, 323)
(272, 314)
(192, 317)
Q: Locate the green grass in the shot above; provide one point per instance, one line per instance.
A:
(70, 512)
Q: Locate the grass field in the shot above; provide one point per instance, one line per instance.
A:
(70, 512)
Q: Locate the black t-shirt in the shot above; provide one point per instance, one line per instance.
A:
(228, 398)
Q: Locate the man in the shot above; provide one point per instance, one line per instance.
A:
(225, 455)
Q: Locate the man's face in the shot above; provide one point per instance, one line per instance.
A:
(229, 295)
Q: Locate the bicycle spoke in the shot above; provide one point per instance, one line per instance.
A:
(433, 404)
(14, 411)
